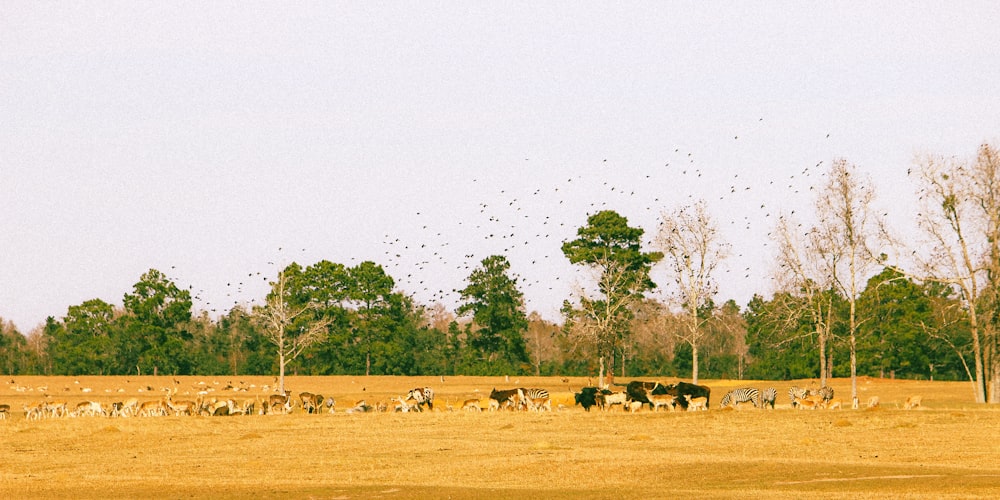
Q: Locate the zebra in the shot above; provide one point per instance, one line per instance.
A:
(795, 393)
(534, 399)
(741, 395)
(768, 396)
(422, 395)
(825, 392)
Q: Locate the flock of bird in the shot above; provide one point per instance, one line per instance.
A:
(527, 214)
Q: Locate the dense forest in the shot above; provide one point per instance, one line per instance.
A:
(847, 307)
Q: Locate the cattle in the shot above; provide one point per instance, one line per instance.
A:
(423, 396)
(636, 390)
(683, 391)
(509, 398)
(587, 397)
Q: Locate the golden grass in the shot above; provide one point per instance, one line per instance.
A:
(947, 449)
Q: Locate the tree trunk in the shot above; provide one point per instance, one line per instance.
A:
(977, 355)
(281, 371)
(694, 363)
(822, 357)
(600, 373)
(854, 369)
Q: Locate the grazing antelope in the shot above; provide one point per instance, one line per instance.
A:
(153, 408)
(834, 404)
(4, 411)
(699, 403)
(308, 401)
(283, 402)
(606, 401)
(912, 402)
(130, 407)
(471, 405)
(658, 400)
(90, 409)
(33, 412)
(805, 403)
(181, 407)
(360, 407)
(873, 402)
(56, 409)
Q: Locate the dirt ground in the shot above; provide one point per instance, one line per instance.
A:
(947, 448)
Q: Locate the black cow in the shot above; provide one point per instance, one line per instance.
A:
(507, 397)
(636, 390)
(587, 397)
(681, 389)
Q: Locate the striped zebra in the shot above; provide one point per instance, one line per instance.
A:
(741, 395)
(825, 392)
(796, 393)
(422, 395)
(768, 397)
(535, 399)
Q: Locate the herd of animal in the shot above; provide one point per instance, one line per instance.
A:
(632, 397)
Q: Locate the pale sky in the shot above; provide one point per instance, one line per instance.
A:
(200, 138)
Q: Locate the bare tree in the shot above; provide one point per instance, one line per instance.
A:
(693, 247)
(729, 334)
(960, 215)
(850, 232)
(805, 269)
(541, 340)
(291, 328)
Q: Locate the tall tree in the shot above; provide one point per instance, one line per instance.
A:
(851, 229)
(289, 320)
(370, 290)
(694, 247)
(83, 343)
(609, 246)
(154, 334)
(895, 342)
(960, 216)
(497, 308)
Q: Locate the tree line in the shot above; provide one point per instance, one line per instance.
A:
(845, 305)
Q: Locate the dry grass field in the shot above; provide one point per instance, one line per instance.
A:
(948, 448)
